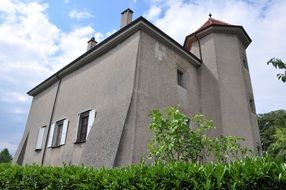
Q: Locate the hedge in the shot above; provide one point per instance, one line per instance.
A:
(250, 173)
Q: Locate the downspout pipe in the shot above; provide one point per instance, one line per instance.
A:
(51, 118)
(200, 72)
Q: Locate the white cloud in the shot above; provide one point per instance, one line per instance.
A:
(31, 49)
(79, 14)
(263, 20)
(153, 13)
(14, 97)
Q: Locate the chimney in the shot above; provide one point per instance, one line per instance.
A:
(126, 17)
(91, 43)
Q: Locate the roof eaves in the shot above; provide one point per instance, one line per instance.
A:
(217, 25)
(99, 45)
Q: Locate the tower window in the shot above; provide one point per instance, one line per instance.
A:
(244, 61)
(251, 104)
(180, 78)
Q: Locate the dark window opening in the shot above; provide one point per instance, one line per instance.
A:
(83, 124)
(251, 104)
(180, 78)
(58, 133)
(245, 64)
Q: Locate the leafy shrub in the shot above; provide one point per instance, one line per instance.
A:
(250, 173)
(173, 140)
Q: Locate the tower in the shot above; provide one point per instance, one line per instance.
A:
(225, 85)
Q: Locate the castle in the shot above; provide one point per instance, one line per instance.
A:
(94, 111)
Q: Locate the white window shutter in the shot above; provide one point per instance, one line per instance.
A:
(76, 129)
(40, 138)
(91, 118)
(51, 135)
(64, 131)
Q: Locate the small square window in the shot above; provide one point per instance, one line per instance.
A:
(180, 78)
(58, 133)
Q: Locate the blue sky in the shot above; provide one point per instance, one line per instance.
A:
(38, 37)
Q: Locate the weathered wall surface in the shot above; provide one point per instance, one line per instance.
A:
(39, 116)
(106, 85)
(126, 83)
(233, 91)
(209, 82)
(157, 87)
(226, 87)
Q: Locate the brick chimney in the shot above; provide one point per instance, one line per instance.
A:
(126, 17)
(91, 43)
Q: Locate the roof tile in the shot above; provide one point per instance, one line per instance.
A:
(212, 21)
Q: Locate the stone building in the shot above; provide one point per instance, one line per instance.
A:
(94, 111)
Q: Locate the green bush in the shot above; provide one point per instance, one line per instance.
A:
(175, 140)
(250, 173)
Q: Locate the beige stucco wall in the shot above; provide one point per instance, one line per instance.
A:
(209, 82)
(106, 85)
(127, 82)
(234, 96)
(40, 113)
(157, 87)
(226, 86)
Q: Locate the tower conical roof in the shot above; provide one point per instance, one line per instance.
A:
(214, 23)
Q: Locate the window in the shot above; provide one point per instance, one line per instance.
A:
(180, 78)
(58, 131)
(40, 138)
(85, 122)
(244, 61)
(251, 104)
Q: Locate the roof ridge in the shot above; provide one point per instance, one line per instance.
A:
(212, 21)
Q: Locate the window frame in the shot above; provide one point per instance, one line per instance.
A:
(252, 105)
(245, 62)
(79, 138)
(57, 137)
(181, 78)
(89, 116)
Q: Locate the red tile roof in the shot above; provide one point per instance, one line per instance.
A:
(212, 21)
